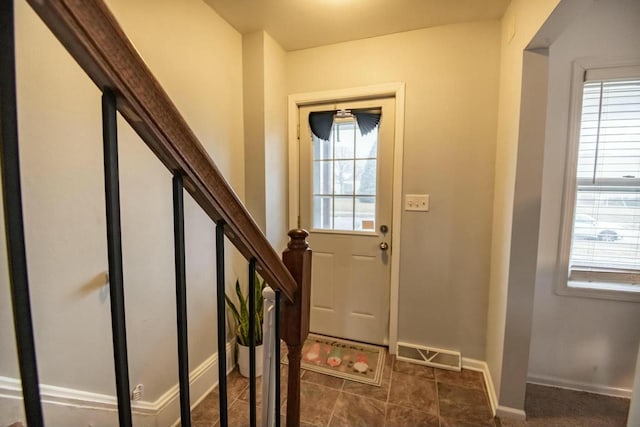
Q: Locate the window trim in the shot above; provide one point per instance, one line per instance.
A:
(563, 283)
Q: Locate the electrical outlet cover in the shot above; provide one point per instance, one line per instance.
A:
(136, 393)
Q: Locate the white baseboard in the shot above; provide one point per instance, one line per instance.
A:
(579, 386)
(481, 366)
(511, 413)
(62, 402)
(519, 414)
(207, 381)
(497, 410)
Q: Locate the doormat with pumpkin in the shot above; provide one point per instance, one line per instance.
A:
(340, 358)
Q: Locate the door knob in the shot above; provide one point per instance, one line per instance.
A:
(384, 246)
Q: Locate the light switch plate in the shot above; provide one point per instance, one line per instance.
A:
(416, 202)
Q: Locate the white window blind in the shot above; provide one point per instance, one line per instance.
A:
(605, 245)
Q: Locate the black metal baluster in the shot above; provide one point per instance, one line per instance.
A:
(252, 342)
(14, 226)
(277, 357)
(222, 322)
(181, 299)
(114, 245)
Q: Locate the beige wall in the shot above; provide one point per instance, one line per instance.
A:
(451, 76)
(580, 342)
(253, 96)
(197, 58)
(265, 130)
(276, 155)
(520, 23)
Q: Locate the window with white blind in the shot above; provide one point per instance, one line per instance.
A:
(604, 247)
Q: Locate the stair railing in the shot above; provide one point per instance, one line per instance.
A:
(93, 37)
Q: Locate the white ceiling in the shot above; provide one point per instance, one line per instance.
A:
(299, 24)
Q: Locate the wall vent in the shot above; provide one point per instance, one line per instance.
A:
(429, 356)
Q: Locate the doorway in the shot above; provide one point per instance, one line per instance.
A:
(347, 241)
(346, 178)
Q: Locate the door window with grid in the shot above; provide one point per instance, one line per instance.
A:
(344, 178)
(604, 248)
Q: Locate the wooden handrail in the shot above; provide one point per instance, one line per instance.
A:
(91, 34)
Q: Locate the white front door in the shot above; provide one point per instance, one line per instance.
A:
(346, 204)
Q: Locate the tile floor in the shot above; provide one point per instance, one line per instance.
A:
(416, 396)
(410, 396)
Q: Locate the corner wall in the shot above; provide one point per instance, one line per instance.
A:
(253, 110)
(520, 23)
(265, 130)
(196, 56)
(275, 138)
(577, 342)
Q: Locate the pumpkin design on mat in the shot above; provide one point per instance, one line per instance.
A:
(335, 357)
(361, 364)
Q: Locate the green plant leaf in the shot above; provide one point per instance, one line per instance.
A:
(244, 311)
(241, 336)
(232, 308)
(258, 333)
(260, 285)
(240, 312)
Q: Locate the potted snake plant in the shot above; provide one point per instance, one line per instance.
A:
(240, 314)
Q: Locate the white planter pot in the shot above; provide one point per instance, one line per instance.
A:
(243, 360)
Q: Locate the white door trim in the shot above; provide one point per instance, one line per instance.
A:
(396, 90)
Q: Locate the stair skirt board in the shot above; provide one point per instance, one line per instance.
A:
(429, 356)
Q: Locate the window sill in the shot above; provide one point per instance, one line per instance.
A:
(600, 290)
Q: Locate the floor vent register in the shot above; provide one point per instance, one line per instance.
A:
(429, 356)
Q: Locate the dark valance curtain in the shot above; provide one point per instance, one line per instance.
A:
(321, 122)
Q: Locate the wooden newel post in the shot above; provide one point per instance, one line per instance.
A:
(294, 317)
